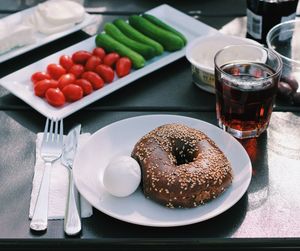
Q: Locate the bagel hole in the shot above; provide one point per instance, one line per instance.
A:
(183, 153)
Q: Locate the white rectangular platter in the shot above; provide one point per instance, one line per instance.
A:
(40, 39)
(19, 84)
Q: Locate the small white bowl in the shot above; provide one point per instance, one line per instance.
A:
(201, 52)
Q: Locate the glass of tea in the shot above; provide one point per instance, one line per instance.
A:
(246, 82)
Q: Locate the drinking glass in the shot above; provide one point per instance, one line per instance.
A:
(246, 82)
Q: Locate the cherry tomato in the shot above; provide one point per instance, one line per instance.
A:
(99, 52)
(85, 85)
(111, 58)
(66, 62)
(65, 80)
(55, 97)
(72, 92)
(56, 71)
(77, 70)
(80, 57)
(123, 66)
(40, 75)
(92, 62)
(42, 86)
(96, 81)
(105, 72)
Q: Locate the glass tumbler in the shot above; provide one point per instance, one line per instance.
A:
(246, 82)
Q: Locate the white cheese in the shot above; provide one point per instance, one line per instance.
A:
(61, 12)
(14, 35)
(55, 16)
(41, 25)
(47, 18)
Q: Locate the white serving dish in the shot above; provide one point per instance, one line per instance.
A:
(19, 84)
(40, 38)
(200, 53)
(119, 138)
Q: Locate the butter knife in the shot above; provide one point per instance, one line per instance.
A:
(72, 224)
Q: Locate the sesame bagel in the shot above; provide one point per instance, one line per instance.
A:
(181, 166)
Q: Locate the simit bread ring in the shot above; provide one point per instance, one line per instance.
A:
(181, 166)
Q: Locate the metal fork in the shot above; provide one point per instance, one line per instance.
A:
(51, 150)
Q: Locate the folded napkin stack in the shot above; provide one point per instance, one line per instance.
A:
(59, 184)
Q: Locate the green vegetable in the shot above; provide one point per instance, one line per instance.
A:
(134, 34)
(110, 44)
(163, 25)
(143, 49)
(169, 41)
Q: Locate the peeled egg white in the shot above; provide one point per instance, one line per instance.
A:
(122, 176)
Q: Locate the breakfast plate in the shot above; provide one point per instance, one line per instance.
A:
(19, 84)
(40, 38)
(119, 138)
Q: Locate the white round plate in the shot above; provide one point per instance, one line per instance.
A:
(119, 138)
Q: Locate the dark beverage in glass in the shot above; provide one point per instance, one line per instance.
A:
(247, 106)
(245, 87)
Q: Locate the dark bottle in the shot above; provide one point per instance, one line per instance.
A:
(262, 15)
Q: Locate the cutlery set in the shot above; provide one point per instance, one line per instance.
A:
(54, 147)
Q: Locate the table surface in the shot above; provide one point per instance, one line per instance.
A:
(266, 217)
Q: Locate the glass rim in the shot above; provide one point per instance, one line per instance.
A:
(278, 69)
(272, 30)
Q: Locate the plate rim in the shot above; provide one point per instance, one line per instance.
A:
(168, 224)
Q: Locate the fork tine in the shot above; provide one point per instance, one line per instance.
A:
(51, 137)
(46, 130)
(56, 131)
(61, 131)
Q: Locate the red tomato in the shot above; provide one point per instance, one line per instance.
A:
(56, 71)
(55, 97)
(105, 72)
(65, 80)
(72, 92)
(80, 57)
(42, 86)
(77, 70)
(85, 85)
(111, 58)
(92, 62)
(96, 81)
(66, 62)
(40, 75)
(123, 66)
(99, 52)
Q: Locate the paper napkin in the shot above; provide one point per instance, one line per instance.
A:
(59, 184)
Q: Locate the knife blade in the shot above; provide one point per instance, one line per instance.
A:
(72, 221)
